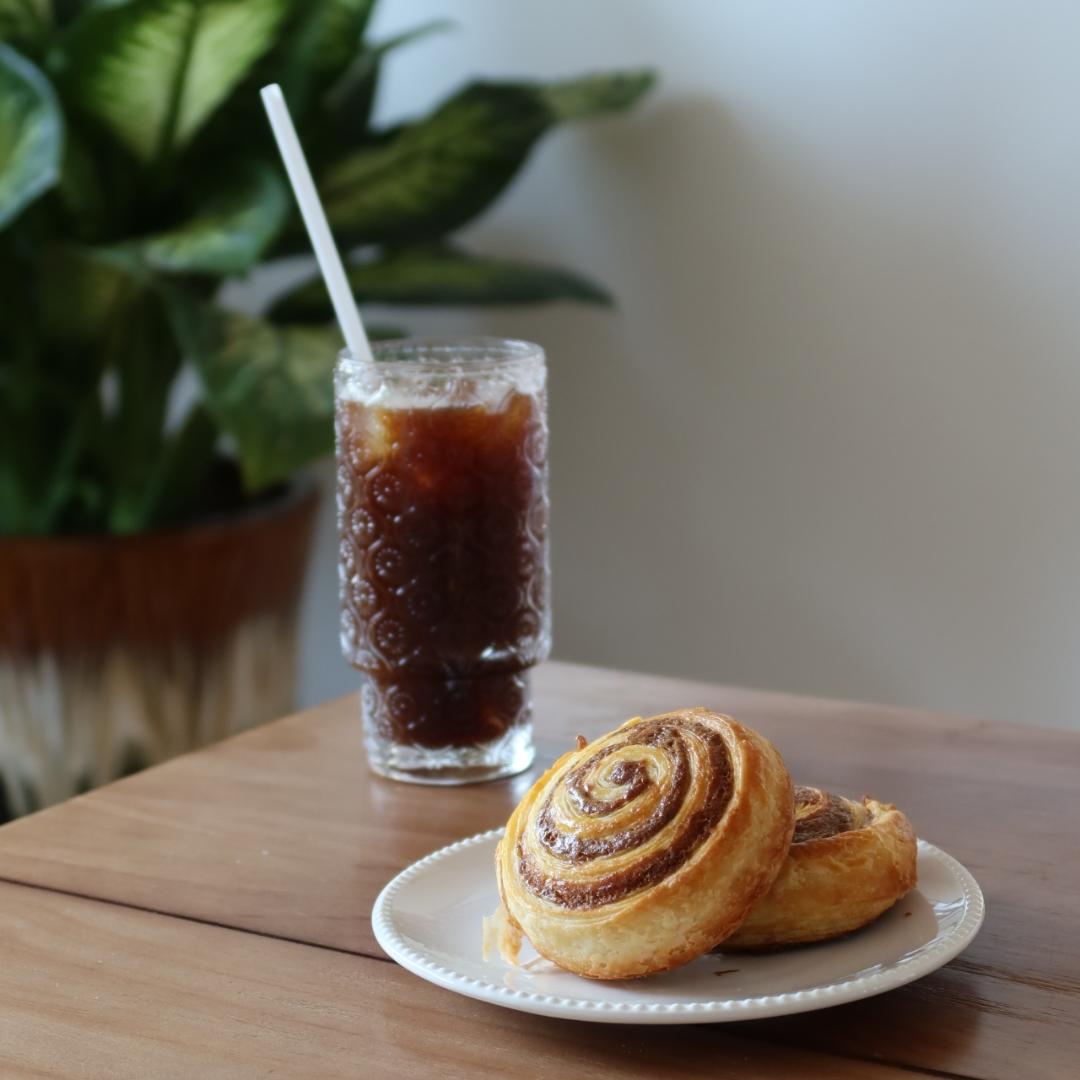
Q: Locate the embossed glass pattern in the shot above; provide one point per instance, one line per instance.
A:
(443, 559)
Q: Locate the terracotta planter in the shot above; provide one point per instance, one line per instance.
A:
(116, 653)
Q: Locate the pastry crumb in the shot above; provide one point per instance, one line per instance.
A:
(582, 742)
(502, 935)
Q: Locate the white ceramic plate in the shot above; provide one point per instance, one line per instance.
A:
(429, 919)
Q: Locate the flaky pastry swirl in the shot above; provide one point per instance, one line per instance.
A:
(631, 853)
(849, 862)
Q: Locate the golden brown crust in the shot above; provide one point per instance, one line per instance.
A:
(637, 852)
(834, 883)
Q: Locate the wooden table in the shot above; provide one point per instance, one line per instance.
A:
(210, 917)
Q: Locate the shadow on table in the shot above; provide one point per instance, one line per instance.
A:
(932, 1023)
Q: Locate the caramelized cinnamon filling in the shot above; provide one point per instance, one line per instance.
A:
(632, 777)
(819, 814)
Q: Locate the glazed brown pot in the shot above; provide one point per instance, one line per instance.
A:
(118, 652)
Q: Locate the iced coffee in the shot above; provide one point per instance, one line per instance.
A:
(443, 528)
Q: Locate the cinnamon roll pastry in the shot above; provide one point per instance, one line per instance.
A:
(639, 851)
(848, 863)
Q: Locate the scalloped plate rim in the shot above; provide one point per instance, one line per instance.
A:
(928, 958)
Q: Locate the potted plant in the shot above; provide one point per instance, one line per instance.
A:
(153, 526)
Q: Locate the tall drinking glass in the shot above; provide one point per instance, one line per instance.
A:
(443, 558)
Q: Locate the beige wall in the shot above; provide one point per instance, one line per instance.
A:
(828, 443)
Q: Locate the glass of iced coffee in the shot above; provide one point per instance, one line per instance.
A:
(443, 559)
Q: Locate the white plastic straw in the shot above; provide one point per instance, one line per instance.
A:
(311, 210)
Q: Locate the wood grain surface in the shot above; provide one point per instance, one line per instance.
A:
(98, 990)
(282, 833)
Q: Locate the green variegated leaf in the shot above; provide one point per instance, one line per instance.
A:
(82, 292)
(31, 134)
(83, 190)
(230, 230)
(143, 353)
(436, 174)
(25, 23)
(154, 71)
(64, 488)
(314, 45)
(176, 480)
(319, 45)
(444, 276)
(100, 312)
(352, 97)
(590, 95)
(270, 387)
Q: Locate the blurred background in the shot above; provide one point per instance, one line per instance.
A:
(827, 442)
(823, 443)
